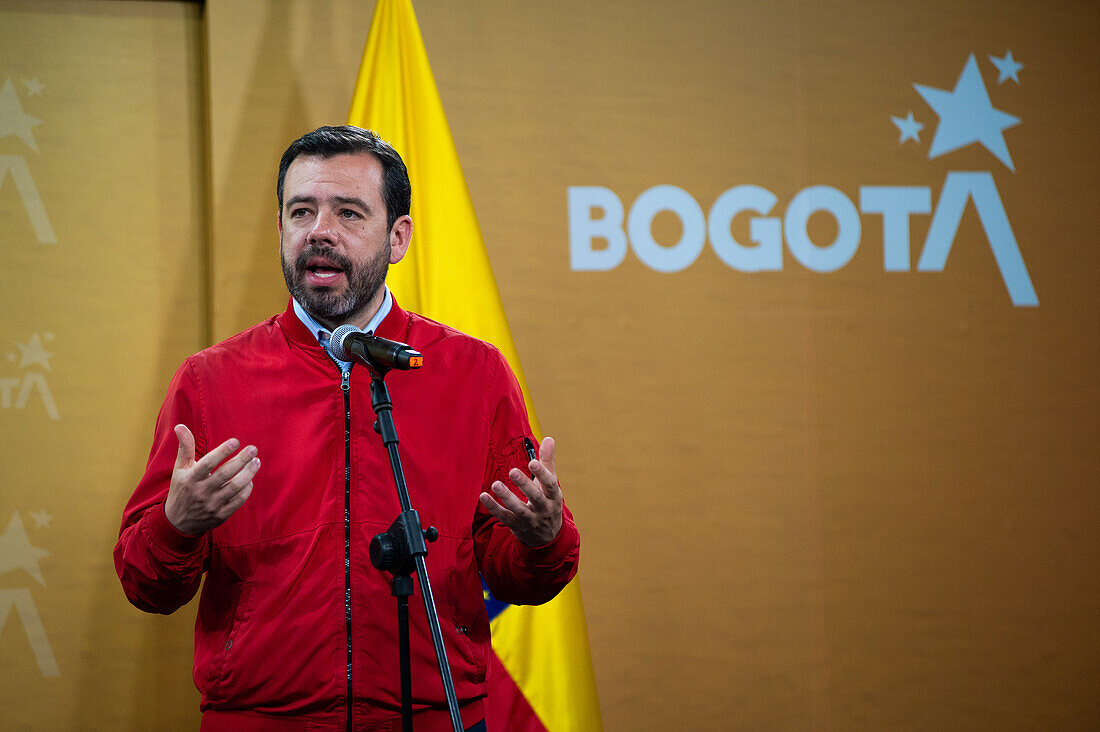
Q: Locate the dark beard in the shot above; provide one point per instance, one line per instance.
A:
(364, 283)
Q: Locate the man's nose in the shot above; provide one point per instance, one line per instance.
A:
(323, 228)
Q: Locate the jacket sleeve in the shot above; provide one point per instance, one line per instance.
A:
(159, 567)
(516, 573)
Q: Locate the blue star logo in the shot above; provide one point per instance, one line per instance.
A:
(1007, 67)
(908, 127)
(967, 116)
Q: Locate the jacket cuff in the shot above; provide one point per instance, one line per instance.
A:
(163, 534)
(555, 553)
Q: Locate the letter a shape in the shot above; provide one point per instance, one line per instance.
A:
(979, 187)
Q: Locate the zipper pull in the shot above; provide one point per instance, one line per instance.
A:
(345, 379)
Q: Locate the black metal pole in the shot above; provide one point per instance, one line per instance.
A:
(402, 588)
(401, 550)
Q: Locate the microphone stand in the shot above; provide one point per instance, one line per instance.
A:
(400, 550)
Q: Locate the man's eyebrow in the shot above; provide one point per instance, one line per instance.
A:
(352, 200)
(342, 200)
(299, 199)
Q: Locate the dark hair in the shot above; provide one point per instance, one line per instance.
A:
(347, 140)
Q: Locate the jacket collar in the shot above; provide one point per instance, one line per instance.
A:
(393, 327)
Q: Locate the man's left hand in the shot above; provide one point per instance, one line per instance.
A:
(537, 521)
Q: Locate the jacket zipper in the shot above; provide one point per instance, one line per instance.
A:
(345, 386)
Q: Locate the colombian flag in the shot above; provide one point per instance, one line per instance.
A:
(541, 675)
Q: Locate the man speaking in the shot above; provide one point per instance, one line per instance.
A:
(266, 475)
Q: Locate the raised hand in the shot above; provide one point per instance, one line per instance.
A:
(204, 493)
(538, 520)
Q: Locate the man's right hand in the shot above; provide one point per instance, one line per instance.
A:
(204, 493)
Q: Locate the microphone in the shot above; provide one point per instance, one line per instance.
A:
(348, 343)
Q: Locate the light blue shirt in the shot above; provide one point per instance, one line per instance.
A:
(324, 335)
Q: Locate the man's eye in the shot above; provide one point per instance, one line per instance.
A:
(347, 213)
(298, 212)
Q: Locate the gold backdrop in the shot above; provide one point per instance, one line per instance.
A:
(855, 488)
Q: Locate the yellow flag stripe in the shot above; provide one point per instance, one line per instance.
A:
(556, 674)
(447, 276)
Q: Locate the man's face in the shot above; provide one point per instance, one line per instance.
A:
(335, 245)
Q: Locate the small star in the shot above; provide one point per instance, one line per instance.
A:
(1007, 67)
(967, 116)
(909, 128)
(16, 551)
(41, 519)
(33, 353)
(34, 87)
(13, 120)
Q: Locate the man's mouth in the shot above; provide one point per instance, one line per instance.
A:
(322, 271)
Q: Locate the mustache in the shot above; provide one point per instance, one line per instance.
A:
(328, 253)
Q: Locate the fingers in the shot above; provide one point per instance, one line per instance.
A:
(537, 491)
(235, 500)
(546, 454)
(545, 472)
(238, 483)
(507, 507)
(500, 513)
(536, 522)
(211, 460)
(204, 493)
(232, 482)
(239, 464)
(508, 499)
(186, 455)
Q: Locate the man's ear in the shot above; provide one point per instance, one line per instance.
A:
(400, 236)
(279, 221)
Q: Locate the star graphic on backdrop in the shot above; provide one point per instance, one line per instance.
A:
(16, 551)
(33, 353)
(13, 120)
(967, 116)
(34, 87)
(1007, 67)
(41, 519)
(908, 127)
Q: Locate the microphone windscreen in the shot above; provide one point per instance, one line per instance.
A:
(336, 344)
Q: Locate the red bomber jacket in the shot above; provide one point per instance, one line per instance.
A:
(293, 618)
